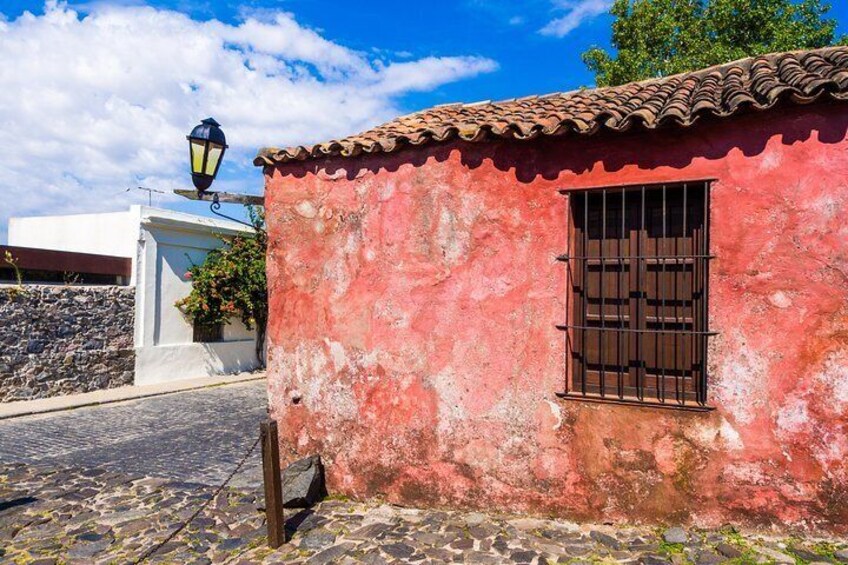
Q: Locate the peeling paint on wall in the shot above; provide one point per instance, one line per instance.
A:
(413, 302)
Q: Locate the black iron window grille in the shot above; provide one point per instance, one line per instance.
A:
(637, 307)
(208, 333)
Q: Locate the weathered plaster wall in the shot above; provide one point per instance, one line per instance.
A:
(57, 340)
(413, 303)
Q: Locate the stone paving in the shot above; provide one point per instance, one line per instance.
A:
(50, 517)
(197, 435)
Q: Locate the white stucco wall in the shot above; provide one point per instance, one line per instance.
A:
(169, 243)
(112, 233)
(162, 244)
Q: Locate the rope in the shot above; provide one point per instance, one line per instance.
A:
(149, 553)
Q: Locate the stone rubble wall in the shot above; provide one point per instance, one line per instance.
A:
(57, 340)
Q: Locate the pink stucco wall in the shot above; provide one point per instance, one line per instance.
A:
(413, 303)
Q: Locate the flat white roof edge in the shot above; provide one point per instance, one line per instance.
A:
(158, 216)
(62, 216)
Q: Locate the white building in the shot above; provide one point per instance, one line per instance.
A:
(162, 245)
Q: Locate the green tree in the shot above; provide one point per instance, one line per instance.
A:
(231, 283)
(654, 38)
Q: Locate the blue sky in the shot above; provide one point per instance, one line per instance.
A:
(98, 95)
(506, 31)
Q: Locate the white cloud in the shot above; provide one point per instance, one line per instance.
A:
(576, 13)
(93, 103)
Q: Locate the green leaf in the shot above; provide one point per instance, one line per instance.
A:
(231, 280)
(655, 38)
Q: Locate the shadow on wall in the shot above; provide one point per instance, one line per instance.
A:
(229, 357)
(548, 158)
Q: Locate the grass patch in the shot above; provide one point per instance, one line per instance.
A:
(822, 548)
(670, 548)
(733, 537)
(748, 558)
(825, 548)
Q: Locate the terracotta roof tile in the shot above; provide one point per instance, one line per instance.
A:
(758, 83)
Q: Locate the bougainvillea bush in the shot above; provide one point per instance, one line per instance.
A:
(231, 283)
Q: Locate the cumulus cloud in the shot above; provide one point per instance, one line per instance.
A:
(576, 13)
(91, 103)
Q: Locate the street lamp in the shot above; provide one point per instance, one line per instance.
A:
(206, 149)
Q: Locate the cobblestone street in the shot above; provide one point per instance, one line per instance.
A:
(104, 485)
(196, 436)
(51, 517)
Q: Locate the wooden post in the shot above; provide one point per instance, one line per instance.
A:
(273, 484)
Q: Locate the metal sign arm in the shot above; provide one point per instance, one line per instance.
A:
(222, 197)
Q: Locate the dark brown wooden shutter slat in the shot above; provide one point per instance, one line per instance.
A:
(638, 270)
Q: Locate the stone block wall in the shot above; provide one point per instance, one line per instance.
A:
(57, 340)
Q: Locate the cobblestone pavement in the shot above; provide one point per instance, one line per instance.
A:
(50, 517)
(196, 436)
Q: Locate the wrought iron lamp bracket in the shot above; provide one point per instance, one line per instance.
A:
(216, 206)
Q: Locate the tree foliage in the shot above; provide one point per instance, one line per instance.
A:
(231, 283)
(654, 38)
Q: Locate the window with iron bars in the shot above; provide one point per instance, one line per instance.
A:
(638, 280)
(207, 333)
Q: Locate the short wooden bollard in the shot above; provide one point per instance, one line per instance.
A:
(273, 484)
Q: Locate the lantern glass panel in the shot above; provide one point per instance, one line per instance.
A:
(215, 152)
(198, 147)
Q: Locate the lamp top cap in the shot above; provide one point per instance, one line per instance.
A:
(209, 129)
